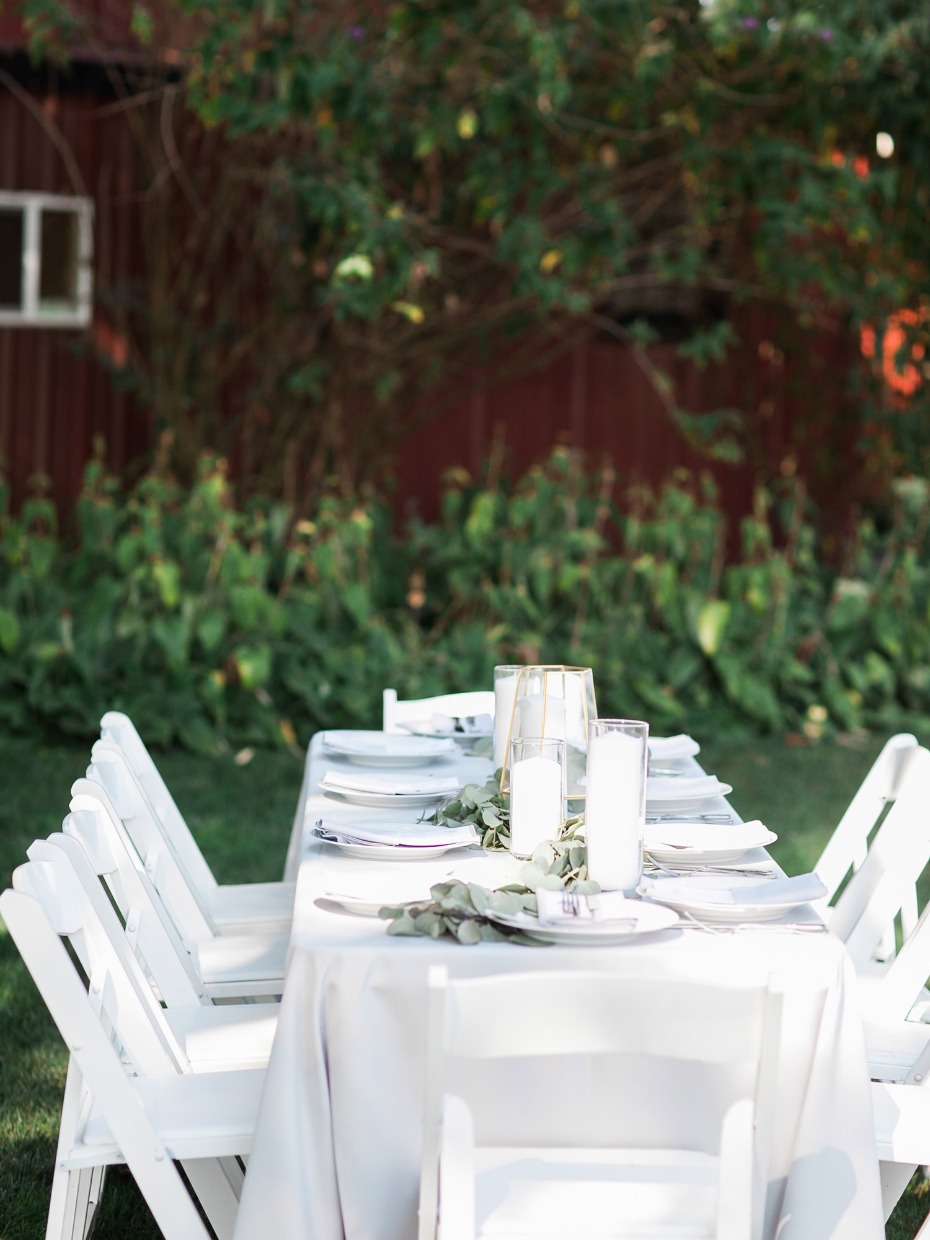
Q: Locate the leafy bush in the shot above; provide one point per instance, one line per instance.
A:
(213, 626)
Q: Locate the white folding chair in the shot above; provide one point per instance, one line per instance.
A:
(882, 892)
(128, 1098)
(876, 915)
(714, 1186)
(219, 966)
(420, 710)
(203, 1037)
(848, 846)
(229, 905)
(190, 911)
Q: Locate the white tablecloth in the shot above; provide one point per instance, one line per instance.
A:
(337, 1148)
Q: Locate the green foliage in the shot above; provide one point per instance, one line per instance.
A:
(410, 189)
(214, 626)
(465, 911)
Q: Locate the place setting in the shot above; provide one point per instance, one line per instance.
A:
(386, 749)
(394, 841)
(607, 917)
(670, 795)
(734, 897)
(458, 730)
(683, 843)
(388, 791)
(670, 755)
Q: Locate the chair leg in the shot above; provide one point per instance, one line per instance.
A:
(895, 1178)
(75, 1192)
(73, 1205)
(217, 1185)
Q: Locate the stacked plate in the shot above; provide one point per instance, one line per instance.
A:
(607, 917)
(702, 843)
(386, 748)
(393, 841)
(733, 898)
(388, 791)
(680, 794)
(458, 729)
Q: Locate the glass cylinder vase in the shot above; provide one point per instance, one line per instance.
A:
(557, 701)
(615, 805)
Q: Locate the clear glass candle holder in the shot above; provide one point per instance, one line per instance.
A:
(506, 678)
(554, 700)
(537, 792)
(615, 805)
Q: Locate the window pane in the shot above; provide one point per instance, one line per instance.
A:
(59, 258)
(11, 258)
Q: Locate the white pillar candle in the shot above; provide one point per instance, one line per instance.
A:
(542, 714)
(505, 692)
(535, 803)
(615, 807)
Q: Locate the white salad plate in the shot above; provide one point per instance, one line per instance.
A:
(387, 791)
(626, 923)
(674, 794)
(385, 800)
(385, 748)
(697, 842)
(395, 841)
(731, 897)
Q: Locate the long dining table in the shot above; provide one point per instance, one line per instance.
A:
(337, 1146)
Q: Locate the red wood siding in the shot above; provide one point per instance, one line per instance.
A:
(55, 399)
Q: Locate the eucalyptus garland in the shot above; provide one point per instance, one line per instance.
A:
(465, 911)
(487, 809)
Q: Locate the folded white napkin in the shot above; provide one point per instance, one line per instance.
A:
(399, 785)
(397, 834)
(605, 906)
(465, 724)
(799, 889)
(707, 836)
(671, 748)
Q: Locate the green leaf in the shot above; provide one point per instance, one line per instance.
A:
(712, 620)
(9, 630)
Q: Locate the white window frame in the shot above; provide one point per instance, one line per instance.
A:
(32, 313)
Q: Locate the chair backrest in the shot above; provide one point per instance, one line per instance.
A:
(848, 846)
(151, 932)
(118, 729)
(520, 1016)
(421, 710)
(96, 934)
(105, 1027)
(188, 910)
(884, 886)
(117, 994)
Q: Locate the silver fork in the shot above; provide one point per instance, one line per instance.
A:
(571, 903)
(710, 869)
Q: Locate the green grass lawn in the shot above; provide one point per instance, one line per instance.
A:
(242, 817)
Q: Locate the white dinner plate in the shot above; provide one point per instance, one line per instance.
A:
(424, 729)
(673, 794)
(685, 896)
(697, 842)
(386, 800)
(412, 834)
(386, 748)
(644, 918)
(395, 852)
